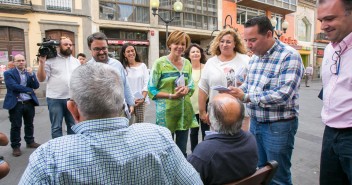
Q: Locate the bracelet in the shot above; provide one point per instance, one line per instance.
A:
(170, 96)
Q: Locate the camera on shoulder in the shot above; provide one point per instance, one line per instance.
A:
(48, 48)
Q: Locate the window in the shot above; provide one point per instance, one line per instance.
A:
(59, 5)
(198, 14)
(245, 13)
(303, 29)
(125, 10)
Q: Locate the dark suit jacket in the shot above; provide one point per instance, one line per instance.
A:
(14, 88)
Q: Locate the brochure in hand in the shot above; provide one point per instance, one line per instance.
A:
(220, 88)
(180, 81)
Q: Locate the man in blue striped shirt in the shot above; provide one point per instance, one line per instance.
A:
(271, 90)
(104, 149)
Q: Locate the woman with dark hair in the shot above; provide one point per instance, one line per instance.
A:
(171, 87)
(138, 77)
(196, 55)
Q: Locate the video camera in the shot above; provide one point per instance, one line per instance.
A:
(48, 48)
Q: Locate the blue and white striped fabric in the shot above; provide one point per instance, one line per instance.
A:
(107, 151)
(273, 82)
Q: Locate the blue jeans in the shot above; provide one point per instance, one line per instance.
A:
(57, 111)
(27, 111)
(275, 142)
(336, 156)
(181, 140)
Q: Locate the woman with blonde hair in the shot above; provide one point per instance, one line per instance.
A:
(171, 87)
(227, 67)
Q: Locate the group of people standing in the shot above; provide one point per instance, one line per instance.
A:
(190, 93)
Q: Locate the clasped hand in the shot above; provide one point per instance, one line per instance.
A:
(181, 91)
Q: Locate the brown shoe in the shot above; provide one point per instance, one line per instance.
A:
(33, 145)
(16, 152)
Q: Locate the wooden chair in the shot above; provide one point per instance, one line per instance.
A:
(262, 176)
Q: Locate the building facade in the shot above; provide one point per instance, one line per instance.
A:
(25, 23)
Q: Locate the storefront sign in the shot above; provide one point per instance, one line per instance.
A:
(320, 52)
(134, 42)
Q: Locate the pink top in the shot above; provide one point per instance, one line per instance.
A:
(337, 103)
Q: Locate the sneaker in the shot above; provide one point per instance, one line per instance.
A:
(16, 152)
(33, 145)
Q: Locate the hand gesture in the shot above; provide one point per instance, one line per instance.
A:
(42, 59)
(29, 70)
(137, 102)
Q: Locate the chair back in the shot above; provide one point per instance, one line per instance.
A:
(262, 176)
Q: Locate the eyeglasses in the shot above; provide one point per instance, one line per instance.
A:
(335, 67)
(67, 44)
(100, 49)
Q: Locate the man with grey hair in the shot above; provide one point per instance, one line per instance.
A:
(229, 153)
(104, 149)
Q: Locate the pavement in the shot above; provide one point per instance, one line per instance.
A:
(305, 159)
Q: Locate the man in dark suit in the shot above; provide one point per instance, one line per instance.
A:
(20, 101)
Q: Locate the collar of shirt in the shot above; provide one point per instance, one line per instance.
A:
(272, 49)
(100, 125)
(92, 60)
(344, 44)
(21, 72)
(216, 135)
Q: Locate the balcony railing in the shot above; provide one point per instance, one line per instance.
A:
(59, 5)
(16, 2)
(15, 6)
(277, 6)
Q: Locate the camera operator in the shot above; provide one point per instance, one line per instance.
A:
(57, 71)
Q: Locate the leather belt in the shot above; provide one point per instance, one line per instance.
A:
(25, 102)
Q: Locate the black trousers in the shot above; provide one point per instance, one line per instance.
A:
(194, 132)
(26, 111)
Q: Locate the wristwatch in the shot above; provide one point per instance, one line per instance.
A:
(245, 98)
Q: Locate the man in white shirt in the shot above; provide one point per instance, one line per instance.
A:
(57, 71)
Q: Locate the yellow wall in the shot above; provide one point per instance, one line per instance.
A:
(35, 35)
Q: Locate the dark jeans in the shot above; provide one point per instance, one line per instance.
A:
(336, 157)
(194, 132)
(181, 140)
(57, 111)
(26, 111)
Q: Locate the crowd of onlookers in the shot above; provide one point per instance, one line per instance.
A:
(244, 99)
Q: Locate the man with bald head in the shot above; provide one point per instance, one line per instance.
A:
(20, 100)
(229, 153)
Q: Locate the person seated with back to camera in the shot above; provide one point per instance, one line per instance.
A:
(104, 148)
(228, 153)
